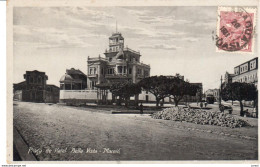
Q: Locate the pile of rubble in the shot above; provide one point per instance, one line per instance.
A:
(199, 117)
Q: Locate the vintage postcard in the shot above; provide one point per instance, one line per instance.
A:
(132, 82)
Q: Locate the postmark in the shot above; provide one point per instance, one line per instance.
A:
(235, 29)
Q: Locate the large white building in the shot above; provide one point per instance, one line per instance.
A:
(246, 72)
(120, 63)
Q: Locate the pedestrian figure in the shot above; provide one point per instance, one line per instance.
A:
(201, 104)
(206, 104)
(221, 108)
(141, 108)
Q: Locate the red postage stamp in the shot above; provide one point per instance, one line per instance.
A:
(235, 29)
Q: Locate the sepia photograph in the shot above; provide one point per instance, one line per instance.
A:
(133, 83)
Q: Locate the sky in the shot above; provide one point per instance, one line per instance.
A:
(171, 39)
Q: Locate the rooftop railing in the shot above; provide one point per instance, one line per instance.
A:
(96, 58)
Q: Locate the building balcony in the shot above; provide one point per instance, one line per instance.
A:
(125, 49)
(117, 76)
(92, 75)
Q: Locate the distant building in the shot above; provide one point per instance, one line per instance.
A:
(214, 92)
(246, 72)
(73, 80)
(35, 88)
(120, 63)
(227, 79)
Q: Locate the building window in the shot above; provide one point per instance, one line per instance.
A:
(39, 80)
(146, 73)
(139, 71)
(31, 79)
(110, 59)
(130, 70)
(119, 69)
(110, 71)
(124, 69)
(92, 70)
(252, 64)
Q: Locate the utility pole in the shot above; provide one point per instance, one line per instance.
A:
(220, 91)
(116, 26)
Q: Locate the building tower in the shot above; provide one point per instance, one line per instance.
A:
(116, 42)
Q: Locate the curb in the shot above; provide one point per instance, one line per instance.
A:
(213, 132)
(22, 147)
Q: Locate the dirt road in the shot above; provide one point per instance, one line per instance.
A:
(55, 132)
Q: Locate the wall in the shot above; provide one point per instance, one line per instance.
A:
(78, 94)
(51, 97)
(251, 77)
(32, 95)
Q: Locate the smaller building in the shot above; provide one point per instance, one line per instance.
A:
(213, 92)
(35, 88)
(73, 80)
(227, 79)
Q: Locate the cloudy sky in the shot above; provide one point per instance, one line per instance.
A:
(171, 39)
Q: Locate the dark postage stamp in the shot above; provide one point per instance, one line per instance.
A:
(235, 29)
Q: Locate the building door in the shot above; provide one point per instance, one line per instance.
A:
(33, 95)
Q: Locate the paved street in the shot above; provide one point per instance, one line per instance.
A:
(67, 131)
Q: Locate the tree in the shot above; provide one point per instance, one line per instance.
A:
(179, 88)
(124, 90)
(240, 91)
(157, 85)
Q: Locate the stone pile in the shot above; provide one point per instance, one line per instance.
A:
(199, 117)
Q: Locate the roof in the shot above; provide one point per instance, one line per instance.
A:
(66, 77)
(120, 53)
(117, 34)
(73, 71)
(53, 86)
(20, 85)
(35, 71)
(247, 62)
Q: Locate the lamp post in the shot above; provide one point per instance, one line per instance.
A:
(220, 90)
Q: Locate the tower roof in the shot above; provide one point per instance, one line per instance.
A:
(117, 34)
